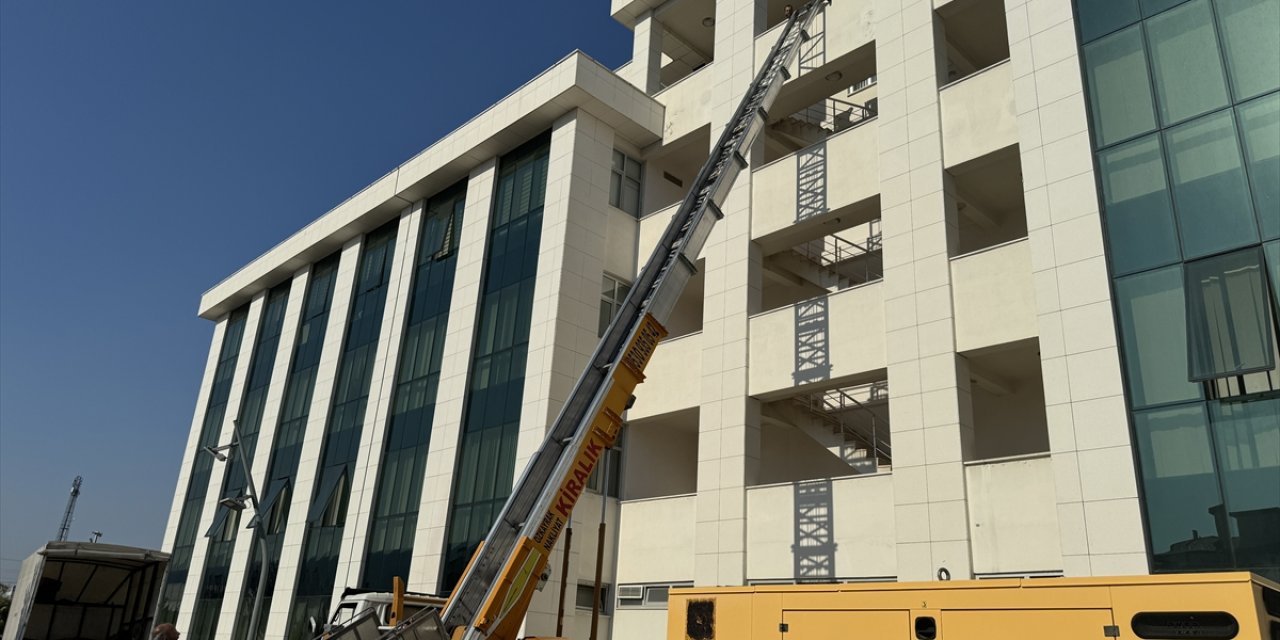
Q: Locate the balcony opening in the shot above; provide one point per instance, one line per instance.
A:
(670, 171)
(1007, 390)
(805, 119)
(776, 12)
(835, 256)
(988, 201)
(660, 457)
(972, 36)
(686, 315)
(688, 38)
(833, 433)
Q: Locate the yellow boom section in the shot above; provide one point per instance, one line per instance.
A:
(504, 610)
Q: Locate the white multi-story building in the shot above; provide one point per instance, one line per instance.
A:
(963, 316)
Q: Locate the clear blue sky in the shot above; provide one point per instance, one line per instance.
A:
(147, 150)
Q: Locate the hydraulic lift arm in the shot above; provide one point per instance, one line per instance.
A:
(493, 595)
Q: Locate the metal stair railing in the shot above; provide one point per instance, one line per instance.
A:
(841, 399)
(655, 293)
(833, 114)
(831, 252)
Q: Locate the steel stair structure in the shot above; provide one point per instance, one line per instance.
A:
(493, 594)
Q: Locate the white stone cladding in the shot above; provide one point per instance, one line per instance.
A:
(428, 548)
(193, 437)
(309, 460)
(1096, 486)
(195, 573)
(717, 512)
(240, 560)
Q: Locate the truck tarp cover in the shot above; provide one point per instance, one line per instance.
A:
(85, 591)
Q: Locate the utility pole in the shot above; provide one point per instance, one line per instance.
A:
(97, 535)
(71, 509)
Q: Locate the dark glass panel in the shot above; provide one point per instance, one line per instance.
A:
(1210, 193)
(1185, 62)
(486, 450)
(287, 445)
(1272, 251)
(1100, 17)
(326, 518)
(1119, 88)
(249, 423)
(1139, 214)
(1260, 128)
(201, 467)
(1248, 444)
(1228, 316)
(400, 477)
(1152, 320)
(1250, 32)
(1184, 509)
(1152, 7)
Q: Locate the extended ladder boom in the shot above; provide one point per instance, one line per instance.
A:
(493, 594)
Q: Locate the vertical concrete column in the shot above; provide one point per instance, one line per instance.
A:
(1099, 516)
(193, 435)
(428, 541)
(241, 561)
(646, 54)
(729, 420)
(565, 317)
(195, 574)
(364, 479)
(309, 459)
(929, 407)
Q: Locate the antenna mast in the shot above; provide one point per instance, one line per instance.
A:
(71, 509)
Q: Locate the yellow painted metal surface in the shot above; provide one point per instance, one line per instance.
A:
(1006, 609)
(1043, 624)
(504, 610)
(843, 624)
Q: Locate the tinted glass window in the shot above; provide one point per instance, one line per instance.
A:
(1251, 38)
(1272, 252)
(408, 436)
(1183, 506)
(327, 514)
(1209, 188)
(1152, 311)
(202, 466)
(1139, 212)
(1119, 88)
(1152, 7)
(1100, 17)
(1228, 315)
(287, 445)
(1248, 444)
(204, 623)
(485, 464)
(1185, 62)
(1260, 128)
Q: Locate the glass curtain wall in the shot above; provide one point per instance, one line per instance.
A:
(327, 515)
(1184, 105)
(491, 416)
(413, 402)
(201, 467)
(226, 523)
(295, 408)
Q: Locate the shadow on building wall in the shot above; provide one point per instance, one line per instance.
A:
(813, 344)
(814, 549)
(811, 182)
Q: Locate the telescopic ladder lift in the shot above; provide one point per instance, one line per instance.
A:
(493, 595)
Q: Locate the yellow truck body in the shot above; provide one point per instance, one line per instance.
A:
(1239, 605)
